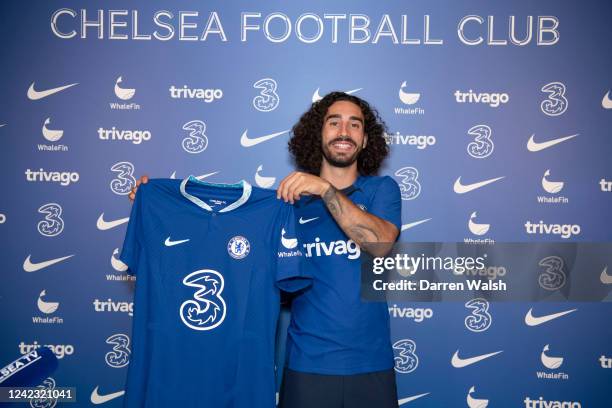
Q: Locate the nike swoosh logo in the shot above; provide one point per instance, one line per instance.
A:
(303, 221)
(414, 224)
(317, 97)
(408, 399)
(530, 320)
(534, 146)
(245, 141)
(3, 124)
(466, 188)
(101, 399)
(168, 242)
(30, 266)
(604, 277)
(106, 225)
(35, 95)
(458, 362)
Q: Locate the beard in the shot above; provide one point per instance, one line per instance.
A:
(341, 159)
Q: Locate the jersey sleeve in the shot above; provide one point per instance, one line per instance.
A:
(387, 202)
(134, 236)
(291, 274)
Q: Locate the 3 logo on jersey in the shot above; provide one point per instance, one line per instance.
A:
(207, 309)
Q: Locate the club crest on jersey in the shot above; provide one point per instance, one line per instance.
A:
(238, 247)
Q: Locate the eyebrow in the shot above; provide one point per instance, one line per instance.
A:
(338, 116)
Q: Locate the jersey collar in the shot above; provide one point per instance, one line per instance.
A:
(244, 185)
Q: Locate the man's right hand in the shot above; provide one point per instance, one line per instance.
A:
(143, 179)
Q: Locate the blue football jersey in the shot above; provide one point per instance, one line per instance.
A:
(332, 331)
(210, 260)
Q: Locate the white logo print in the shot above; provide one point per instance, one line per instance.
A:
(414, 224)
(458, 362)
(477, 229)
(268, 99)
(408, 98)
(410, 188)
(556, 102)
(51, 135)
(606, 102)
(116, 263)
(207, 308)
(2, 218)
(46, 307)
(466, 188)
(409, 399)
(551, 187)
(480, 319)
(263, 181)
(125, 181)
(120, 355)
(550, 362)
(604, 277)
(123, 93)
(406, 361)
(238, 247)
(245, 141)
(35, 95)
(48, 385)
(170, 243)
(534, 146)
(97, 399)
(316, 97)
(197, 141)
(305, 221)
(482, 146)
(531, 320)
(106, 225)
(30, 266)
(475, 403)
(553, 278)
(288, 243)
(53, 224)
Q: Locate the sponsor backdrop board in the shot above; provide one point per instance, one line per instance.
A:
(498, 114)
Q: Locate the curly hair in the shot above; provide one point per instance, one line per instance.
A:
(305, 144)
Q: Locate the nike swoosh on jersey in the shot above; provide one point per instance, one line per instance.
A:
(408, 399)
(531, 320)
(303, 221)
(101, 399)
(414, 224)
(30, 266)
(35, 95)
(245, 141)
(168, 242)
(106, 225)
(534, 146)
(466, 188)
(459, 362)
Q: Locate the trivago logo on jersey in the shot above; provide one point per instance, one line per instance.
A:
(60, 350)
(62, 177)
(348, 248)
(542, 403)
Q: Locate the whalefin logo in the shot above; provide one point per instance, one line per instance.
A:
(35, 95)
(46, 307)
(604, 277)
(551, 187)
(531, 320)
(408, 98)
(550, 362)
(97, 398)
(477, 229)
(316, 97)
(460, 188)
(51, 135)
(116, 263)
(288, 243)
(606, 102)
(458, 362)
(263, 181)
(475, 403)
(123, 93)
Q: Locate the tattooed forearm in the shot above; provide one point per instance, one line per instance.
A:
(330, 197)
(363, 233)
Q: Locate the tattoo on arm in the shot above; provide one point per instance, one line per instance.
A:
(364, 234)
(330, 197)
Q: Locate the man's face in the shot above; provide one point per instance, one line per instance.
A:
(343, 136)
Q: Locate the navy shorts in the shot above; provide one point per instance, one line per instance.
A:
(369, 390)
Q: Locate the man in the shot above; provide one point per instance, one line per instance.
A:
(339, 350)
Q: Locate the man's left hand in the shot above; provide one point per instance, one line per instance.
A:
(298, 183)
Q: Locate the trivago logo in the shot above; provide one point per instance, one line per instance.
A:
(491, 99)
(415, 314)
(340, 247)
(64, 178)
(563, 230)
(606, 362)
(206, 95)
(60, 350)
(114, 307)
(542, 403)
(134, 136)
(419, 141)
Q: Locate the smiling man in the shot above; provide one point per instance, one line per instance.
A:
(338, 348)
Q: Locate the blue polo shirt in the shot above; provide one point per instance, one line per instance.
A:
(332, 331)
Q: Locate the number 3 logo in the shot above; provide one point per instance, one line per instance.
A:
(268, 99)
(207, 308)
